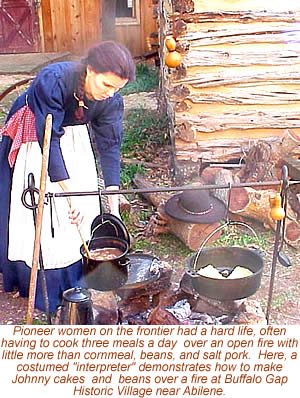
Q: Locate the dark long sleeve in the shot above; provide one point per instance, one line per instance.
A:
(107, 128)
(46, 95)
(52, 91)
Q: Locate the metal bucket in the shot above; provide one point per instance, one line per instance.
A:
(76, 307)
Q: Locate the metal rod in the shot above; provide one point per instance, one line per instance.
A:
(273, 270)
(279, 239)
(168, 189)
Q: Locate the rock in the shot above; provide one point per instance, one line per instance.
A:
(105, 307)
(216, 307)
(250, 313)
(130, 307)
(146, 100)
(140, 319)
(187, 287)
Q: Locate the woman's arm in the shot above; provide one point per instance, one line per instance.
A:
(108, 132)
(46, 95)
(113, 201)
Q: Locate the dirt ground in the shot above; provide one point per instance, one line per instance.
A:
(285, 304)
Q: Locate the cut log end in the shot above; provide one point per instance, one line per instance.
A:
(239, 199)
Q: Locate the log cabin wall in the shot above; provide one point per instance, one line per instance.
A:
(239, 81)
(69, 25)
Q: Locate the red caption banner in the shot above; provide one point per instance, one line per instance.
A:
(149, 361)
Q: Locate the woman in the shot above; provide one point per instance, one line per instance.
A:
(75, 94)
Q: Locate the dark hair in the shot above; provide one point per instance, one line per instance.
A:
(103, 57)
(110, 56)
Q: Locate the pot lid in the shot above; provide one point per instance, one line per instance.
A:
(109, 225)
(76, 295)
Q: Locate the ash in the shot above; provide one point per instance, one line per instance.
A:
(182, 311)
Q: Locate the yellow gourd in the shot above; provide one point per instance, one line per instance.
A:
(277, 213)
(272, 200)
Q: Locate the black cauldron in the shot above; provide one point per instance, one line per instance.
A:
(105, 275)
(225, 259)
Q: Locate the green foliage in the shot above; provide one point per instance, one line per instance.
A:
(146, 80)
(37, 321)
(142, 244)
(233, 237)
(2, 118)
(129, 220)
(144, 214)
(128, 172)
(143, 128)
(126, 217)
(8, 100)
(167, 244)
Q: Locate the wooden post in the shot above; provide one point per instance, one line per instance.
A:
(39, 218)
(109, 20)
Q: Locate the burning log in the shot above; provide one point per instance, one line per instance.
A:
(169, 297)
(161, 316)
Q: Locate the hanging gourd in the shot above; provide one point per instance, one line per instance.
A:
(277, 213)
(171, 43)
(173, 58)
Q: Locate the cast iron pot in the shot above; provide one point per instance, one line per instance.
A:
(225, 259)
(105, 274)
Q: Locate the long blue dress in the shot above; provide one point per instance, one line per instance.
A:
(52, 91)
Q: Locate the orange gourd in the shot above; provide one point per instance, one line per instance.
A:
(173, 59)
(171, 43)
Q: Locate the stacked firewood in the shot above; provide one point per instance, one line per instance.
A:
(261, 164)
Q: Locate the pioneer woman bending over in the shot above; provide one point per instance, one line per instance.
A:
(77, 95)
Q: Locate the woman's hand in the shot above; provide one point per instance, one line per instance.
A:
(74, 214)
(75, 217)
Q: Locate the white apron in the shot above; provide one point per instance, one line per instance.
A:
(64, 248)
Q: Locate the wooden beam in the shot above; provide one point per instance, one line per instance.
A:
(109, 20)
(47, 34)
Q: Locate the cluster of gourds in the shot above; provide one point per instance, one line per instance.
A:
(277, 213)
(173, 57)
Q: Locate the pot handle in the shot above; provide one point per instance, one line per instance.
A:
(125, 262)
(100, 225)
(226, 224)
